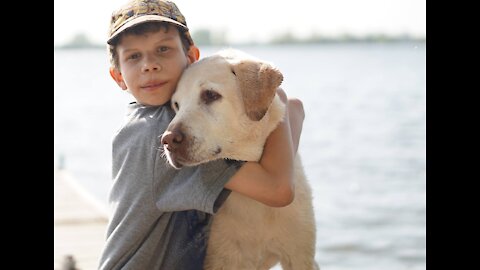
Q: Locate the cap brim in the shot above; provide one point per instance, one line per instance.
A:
(143, 19)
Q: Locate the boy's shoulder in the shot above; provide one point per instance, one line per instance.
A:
(148, 114)
(140, 110)
(141, 119)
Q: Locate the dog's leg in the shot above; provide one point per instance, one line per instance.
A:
(299, 262)
(269, 261)
(300, 253)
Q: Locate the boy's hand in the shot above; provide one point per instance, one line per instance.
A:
(296, 115)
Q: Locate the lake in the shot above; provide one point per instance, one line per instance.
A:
(363, 143)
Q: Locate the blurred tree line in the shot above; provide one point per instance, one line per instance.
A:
(207, 37)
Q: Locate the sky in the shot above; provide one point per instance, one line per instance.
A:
(258, 20)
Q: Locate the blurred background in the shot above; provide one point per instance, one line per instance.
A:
(358, 66)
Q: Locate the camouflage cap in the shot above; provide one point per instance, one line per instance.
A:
(140, 11)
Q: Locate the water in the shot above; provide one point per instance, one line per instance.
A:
(363, 141)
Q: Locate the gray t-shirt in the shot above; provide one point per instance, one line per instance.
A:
(160, 214)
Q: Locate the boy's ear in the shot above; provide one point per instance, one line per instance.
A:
(117, 77)
(193, 54)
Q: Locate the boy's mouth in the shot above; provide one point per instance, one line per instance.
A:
(153, 85)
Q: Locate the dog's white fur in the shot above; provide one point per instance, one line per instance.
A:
(218, 117)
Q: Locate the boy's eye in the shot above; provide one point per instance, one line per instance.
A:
(163, 49)
(134, 56)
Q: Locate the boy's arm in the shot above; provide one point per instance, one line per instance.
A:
(270, 181)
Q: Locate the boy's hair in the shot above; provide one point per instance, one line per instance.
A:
(130, 17)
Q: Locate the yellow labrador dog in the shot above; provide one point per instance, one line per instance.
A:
(226, 106)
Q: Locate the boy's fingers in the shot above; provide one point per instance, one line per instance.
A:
(282, 95)
(295, 105)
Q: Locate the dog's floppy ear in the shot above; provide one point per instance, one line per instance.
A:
(258, 83)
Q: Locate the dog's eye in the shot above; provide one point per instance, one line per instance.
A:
(209, 95)
(175, 106)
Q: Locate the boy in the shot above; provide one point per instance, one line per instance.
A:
(161, 216)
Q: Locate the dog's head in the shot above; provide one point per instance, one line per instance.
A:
(226, 106)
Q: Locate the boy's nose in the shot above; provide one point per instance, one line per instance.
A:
(151, 67)
(150, 64)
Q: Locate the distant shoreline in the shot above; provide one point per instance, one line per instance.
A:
(321, 42)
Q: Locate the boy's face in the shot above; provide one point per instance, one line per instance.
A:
(150, 65)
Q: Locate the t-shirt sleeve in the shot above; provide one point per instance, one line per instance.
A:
(200, 187)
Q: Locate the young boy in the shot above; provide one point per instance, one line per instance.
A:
(161, 216)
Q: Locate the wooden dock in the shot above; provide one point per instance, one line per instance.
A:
(79, 225)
